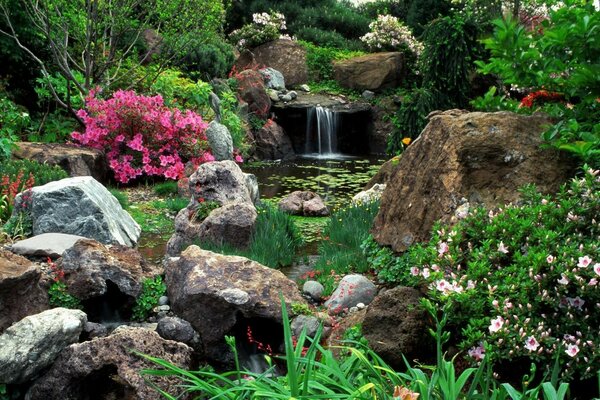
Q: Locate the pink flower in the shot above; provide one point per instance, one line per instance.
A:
(576, 302)
(584, 262)
(478, 353)
(593, 282)
(531, 344)
(550, 259)
(563, 280)
(597, 269)
(425, 273)
(502, 248)
(414, 271)
(572, 350)
(496, 324)
(443, 248)
(442, 285)
(239, 159)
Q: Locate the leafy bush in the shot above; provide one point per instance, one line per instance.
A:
(152, 290)
(13, 121)
(421, 12)
(411, 118)
(389, 33)
(327, 38)
(339, 252)
(200, 60)
(142, 136)
(319, 60)
(173, 204)
(518, 282)
(560, 55)
(264, 28)
(181, 92)
(54, 127)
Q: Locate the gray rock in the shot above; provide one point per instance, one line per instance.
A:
(79, 206)
(272, 143)
(220, 141)
(368, 95)
(314, 289)
(252, 184)
(110, 363)
(305, 88)
(221, 181)
(232, 224)
(273, 95)
(50, 245)
(94, 329)
(273, 78)
(293, 94)
(33, 343)
(305, 203)
(308, 322)
(285, 97)
(353, 289)
(163, 300)
(179, 330)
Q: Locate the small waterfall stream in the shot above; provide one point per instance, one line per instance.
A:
(326, 122)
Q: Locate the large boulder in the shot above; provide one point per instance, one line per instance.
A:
(304, 203)
(286, 56)
(89, 266)
(484, 158)
(76, 160)
(216, 293)
(220, 141)
(109, 367)
(32, 344)
(78, 206)
(51, 245)
(272, 143)
(20, 292)
(375, 71)
(396, 324)
(224, 183)
(252, 90)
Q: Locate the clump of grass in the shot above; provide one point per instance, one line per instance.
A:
(121, 197)
(168, 188)
(173, 204)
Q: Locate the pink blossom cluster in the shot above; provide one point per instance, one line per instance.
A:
(142, 136)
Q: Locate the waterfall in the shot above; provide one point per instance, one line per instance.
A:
(326, 126)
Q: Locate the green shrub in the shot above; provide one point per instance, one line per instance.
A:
(421, 12)
(205, 61)
(339, 252)
(58, 296)
(13, 121)
(518, 282)
(319, 60)
(168, 188)
(326, 38)
(152, 290)
(53, 128)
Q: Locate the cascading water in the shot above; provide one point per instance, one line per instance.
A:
(326, 123)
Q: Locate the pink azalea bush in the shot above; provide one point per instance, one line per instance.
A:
(142, 136)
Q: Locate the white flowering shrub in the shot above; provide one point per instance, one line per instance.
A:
(265, 27)
(389, 33)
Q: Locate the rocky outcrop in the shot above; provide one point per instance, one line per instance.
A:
(220, 141)
(51, 245)
(20, 292)
(374, 72)
(77, 161)
(286, 56)
(89, 266)
(215, 292)
(271, 143)
(110, 368)
(252, 90)
(223, 183)
(396, 324)
(352, 290)
(32, 344)
(484, 158)
(78, 206)
(305, 203)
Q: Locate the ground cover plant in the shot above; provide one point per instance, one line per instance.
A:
(520, 282)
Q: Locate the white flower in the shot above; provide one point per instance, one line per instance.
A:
(531, 344)
(496, 324)
(584, 261)
(563, 280)
(502, 248)
(572, 350)
(597, 269)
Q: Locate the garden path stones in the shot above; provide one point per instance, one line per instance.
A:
(396, 324)
(32, 344)
(112, 368)
(352, 289)
(78, 206)
(215, 292)
(20, 291)
(304, 203)
(50, 245)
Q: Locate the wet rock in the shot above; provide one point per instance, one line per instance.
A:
(108, 367)
(305, 203)
(372, 72)
(220, 141)
(272, 143)
(50, 245)
(368, 95)
(76, 160)
(32, 344)
(396, 324)
(216, 292)
(20, 291)
(79, 206)
(252, 185)
(304, 88)
(352, 289)
(483, 157)
(179, 330)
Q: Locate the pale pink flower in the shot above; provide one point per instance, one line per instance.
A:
(597, 269)
(572, 350)
(442, 285)
(563, 280)
(576, 302)
(471, 284)
(478, 353)
(443, 248)
(425, 273)
(550, 259)
(593, 282)
(435, 268)
(496, 324)
(531, 344)
(414, 271)
(495, 303)
(544, 201)
(584, 262)
(502, 248)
